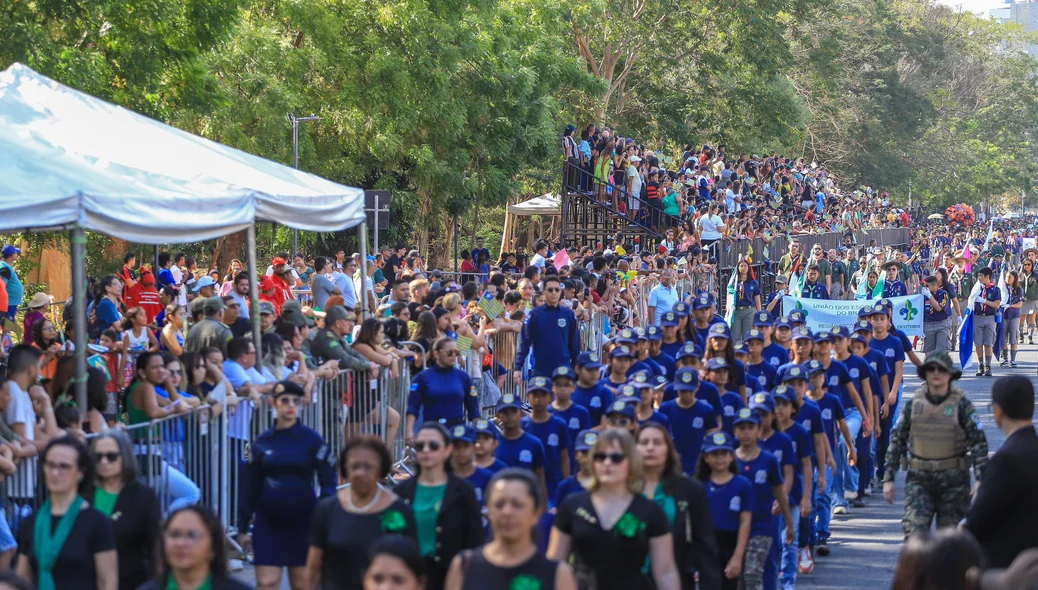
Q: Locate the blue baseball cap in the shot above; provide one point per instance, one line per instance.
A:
(797, 317)
(718, 441)
(840, 332)
(621, 351)
(660, 381)
(753, 335)
(865, 311)
(887, 304)
(585, 440)
(717, 364)
(689, 350)
(793, 372)
(669, 320)
(802, 333)
(719, 330)
(640, 334)
(487, 427)
(463, 433)
(863, 326)
(538, 384)
(640, 379)
(762, 401)
(878, 309)
(813, 366)
(746, 415)
(654, 334)
(762, 319)
(10, 250)
(686, 379)
(784, 392)
(626, 336)
(703, 301)
(563, 371)
(859, 338)
(680, 309)
(509, 401)
(740, 348)
(589, 360)
(823, 336)
(783, 322)
(630, 390)
(621, 407)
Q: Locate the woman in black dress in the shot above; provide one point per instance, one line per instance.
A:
(611, 529)
(66, 544)
(511, 558)
(132, 507)
(193, 554)
(347, 524)
(447, 513)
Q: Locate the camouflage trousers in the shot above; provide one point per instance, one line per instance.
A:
(757, 549)
(944, 494)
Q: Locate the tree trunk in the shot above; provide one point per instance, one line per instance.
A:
(422, 236)
(227, 248)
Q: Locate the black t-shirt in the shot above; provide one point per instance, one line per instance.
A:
(91, 534)
(616, 556)
(482, 574)
(394, 264)
(345, 538)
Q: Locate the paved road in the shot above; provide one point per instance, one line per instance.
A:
(866, 543)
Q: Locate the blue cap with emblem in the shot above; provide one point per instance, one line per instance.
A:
(626, 336)
(718, 441)
(740, 348)
(669, 320)
(681, 309)
(784, 392)
(509, 401)
(639, 380)
(621, 407)
(878, 309)
(463, 433)
(703, 301)
(793, 373)
(783, 322)
(563, 372)
(762, 401)
(823, 336)
(659, 382)
(717, 364)
(630, 390)
(621, 351)
(863, 326)
(865, 311)
(762, 319)
(746, 415)
(686, 379)
(754, 335)
(487, 427)
(538, 384)
(589, 360)
(640, 334)
(859, 338)
(654, 334)
(840, 332)
(802, 333)
(797, 317)
(719, 330)
(585, 440)
(813, 367)
(689, 350)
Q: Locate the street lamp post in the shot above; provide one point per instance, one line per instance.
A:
(295, 163)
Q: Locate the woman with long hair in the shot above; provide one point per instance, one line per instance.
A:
(719, 344)
(1029, 283)
(747, 300)
(514, 509)
(445, 506)
(193, 553)
(347, 524)
(172, 334)
(1011, 318)
(67, 544)
(106, 305)
(135, 507)
(612, 529)
(731, 504)
(45, 337)
(442, 392)
(684, 502)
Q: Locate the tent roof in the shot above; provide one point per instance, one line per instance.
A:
(548, 204)
(67, 158)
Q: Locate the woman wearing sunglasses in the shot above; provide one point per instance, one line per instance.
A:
(193, 554)
(445, 506)
(443, 392)
(279, 491)
(611, 529)
(133, 508)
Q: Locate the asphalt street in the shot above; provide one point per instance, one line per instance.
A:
(866, 542)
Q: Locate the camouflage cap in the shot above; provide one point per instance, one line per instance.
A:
(942, 360)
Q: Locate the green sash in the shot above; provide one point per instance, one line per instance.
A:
(48, 546)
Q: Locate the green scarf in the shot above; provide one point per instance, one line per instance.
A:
(171, 584)
(48, 546)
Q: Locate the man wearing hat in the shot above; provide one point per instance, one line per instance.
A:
(15, 289)
(935, 432)
(205, 287)
(210, 332)
(268, 315)
(330, 342)
(893, 287)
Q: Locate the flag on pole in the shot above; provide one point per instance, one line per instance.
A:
(991, 234)
(796, 284)
(1000, 337)
(729, 302)
(966, 330)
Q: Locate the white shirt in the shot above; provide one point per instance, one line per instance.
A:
(537, 261)
(709, 225)
(20, 411)
(178, 276)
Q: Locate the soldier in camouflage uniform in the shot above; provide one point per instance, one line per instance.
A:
(936, 430)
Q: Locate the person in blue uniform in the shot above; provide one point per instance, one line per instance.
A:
(687, 357)
(866, 461)
(757, 368)
(774, 352)
(731, 402)
(654, 334)
(732, 505)
(890, 348)
(893, 287)
(645, 392)
(860, 373)
(589, 393)
(575, 416)
(278, 497)
(552, 331)
(764, 471)
(801, 501)
(621, 357)
(797, 318)
(551, 431)
(984, 310)
(463, 463)
(691, 419)
(719, 344)
(516, 447)
(641, 352)
(780, 445)
(488, 436)
(671, 338)
(442, 392)
(705, 313)
(621, 415)
(813, 288)
(833, 422)
(582, 477)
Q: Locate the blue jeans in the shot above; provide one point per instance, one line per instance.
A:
(846, 475)
(887, 424)
(784, 557)
(182, 491)
(823, 505)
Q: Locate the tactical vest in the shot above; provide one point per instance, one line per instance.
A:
(936, 433)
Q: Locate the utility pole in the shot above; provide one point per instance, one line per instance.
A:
(295, 163)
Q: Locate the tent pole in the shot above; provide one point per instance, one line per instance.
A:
(79, 318)
(362, 236)
(254, 312)
(155, 269)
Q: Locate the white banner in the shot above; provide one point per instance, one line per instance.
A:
(823, 314)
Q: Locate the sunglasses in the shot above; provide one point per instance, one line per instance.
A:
(109, 457)
(432, 445)
(935, 368)
(614, 458)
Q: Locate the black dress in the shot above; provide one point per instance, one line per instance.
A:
(480, 574)
(345, 538)
(135, 522)
(614, 559)
(74, 570)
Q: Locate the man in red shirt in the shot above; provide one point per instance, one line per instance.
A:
(144, 294)
(271, 290)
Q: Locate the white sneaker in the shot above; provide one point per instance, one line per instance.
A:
(849, 495)
(235, 565)
(806, 563)
(839, 510)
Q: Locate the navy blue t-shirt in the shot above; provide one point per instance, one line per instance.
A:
(728, 501)
(577, 419)
(594, 399)
(479, 480)
(832, 412)
(893, 351)
(554, 436)
(809, 417)
(667, 363)
(836, 379)
(764, 472)
(859, 370)
(689, 426)
(880, 367)
(731, 403)
(803, 446)
(775, 355)
(672, 349)
(526, 452)
(763, 374)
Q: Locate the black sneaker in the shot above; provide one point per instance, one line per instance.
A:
(1012, 364)
(859, 501)
(822, 550)
(1004, 363)
(980, 371)
(987, 372)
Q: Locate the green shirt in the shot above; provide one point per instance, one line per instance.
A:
(670, 204)
(104, 501)
(427, 503)
(666, 502)
(207, 585)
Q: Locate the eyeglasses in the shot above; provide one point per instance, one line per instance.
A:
(431, 445)
(109, 457)
(614, 458)
(190, 536)
(59, 467)
(448, 352)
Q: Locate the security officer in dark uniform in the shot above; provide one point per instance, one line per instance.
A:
(552, 331)
(893, 287)
(279, 489)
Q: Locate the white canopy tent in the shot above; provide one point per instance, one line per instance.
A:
(71, 161)
(547, 204)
